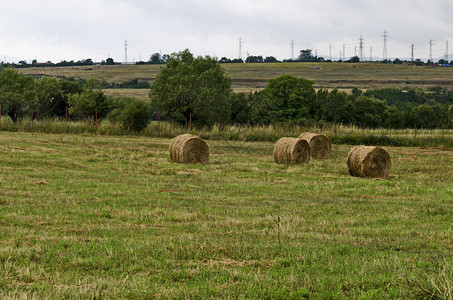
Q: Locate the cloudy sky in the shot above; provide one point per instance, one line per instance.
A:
(58, 30)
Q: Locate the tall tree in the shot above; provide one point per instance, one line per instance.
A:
(288, 98)
(16, 93)
(47, 91)
(188, 85)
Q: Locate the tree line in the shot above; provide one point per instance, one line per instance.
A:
(305, 55)
(196, 89)
(24, 96)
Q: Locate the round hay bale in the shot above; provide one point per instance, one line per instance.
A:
(291, 151)
(320, 145)
(369, 162)
(189, 149)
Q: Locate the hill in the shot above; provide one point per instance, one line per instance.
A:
(249, 77)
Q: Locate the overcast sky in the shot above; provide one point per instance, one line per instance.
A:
(58, 30)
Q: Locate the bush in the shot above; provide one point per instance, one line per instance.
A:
(91, 100)
(133, 114)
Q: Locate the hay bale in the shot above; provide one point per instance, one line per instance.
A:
(369, 162)
(291, 151)
(320, 145)
(189, 149)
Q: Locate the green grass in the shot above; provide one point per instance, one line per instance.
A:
(89, 216)
(339, 134)
(250, 77)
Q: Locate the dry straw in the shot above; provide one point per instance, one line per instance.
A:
(291, 151)
(320, 145)
(369, 162)
(189, 149)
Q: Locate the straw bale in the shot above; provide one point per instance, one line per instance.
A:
(189, 149)
(369, 162)
(291, 151)
(320, 145)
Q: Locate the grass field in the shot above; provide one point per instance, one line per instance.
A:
(339, 133)
(250, 77)
(85, 216)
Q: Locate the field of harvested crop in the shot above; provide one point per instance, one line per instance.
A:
(85, 216)
(250, 77)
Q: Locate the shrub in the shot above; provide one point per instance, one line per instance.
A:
(133, 115)
(90, 100)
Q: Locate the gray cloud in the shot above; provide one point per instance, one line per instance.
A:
(55, 30)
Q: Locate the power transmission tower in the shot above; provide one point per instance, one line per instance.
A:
(292, 49)
(125, 51)
(361, 43)
(240, 48)
(431, 50)
(446, 51)
(412, 53)
(344, 52)
(330, 52)
(385, 36)
(371, 53)
(355, 50)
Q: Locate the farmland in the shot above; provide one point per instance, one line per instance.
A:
(251, 77)
(88, 210)
(89, 216)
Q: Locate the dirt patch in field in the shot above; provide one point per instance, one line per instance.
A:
(42, 182)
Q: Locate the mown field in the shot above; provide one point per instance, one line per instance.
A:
(251, 77)
(103, 217)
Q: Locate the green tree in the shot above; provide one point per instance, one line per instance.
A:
(354, 59)
(241, 108)
(90, 100)
(135, 115)
(369, 111)
(306, 55)
(47, 91)
(395, 118)
(427, 116)
(270, 59)
(16, 93)
(450, 116)
(60, 103)
(288, 98)
(132, 113)
(188, 85)
(254, 59)
(335, 106)
(108, 61)
(155, 59)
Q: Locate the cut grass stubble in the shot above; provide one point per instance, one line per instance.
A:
(117, 219)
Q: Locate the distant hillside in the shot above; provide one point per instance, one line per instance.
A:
(254, 76)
